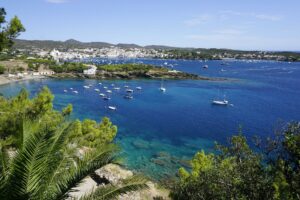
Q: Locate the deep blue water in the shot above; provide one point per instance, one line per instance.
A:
(160, 131)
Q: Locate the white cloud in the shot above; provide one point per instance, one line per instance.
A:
(198, 20)
(57, 1)
(268, 17)
(229, 32)
(253, 15)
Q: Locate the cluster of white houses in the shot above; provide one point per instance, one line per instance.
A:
(24, 74)
(91, 71)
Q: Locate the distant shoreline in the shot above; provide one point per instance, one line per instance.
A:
(4, 80)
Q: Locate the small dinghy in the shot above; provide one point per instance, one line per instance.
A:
(128, 97)
(112, 107)
(222, 103)
(106, 98)
(129, 91)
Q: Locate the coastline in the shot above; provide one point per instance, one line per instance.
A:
(131, 76)
(6, 80)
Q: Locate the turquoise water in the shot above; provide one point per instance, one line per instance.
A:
(160, 131)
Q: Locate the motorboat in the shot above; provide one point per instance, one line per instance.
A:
(220, 102)
(128, 97)
(112, 107)
(129, 90)
(139, 88)
(106, 98)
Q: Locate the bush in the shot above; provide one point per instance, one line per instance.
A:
(237, 172)
(2, 69)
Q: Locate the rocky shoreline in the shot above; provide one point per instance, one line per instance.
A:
(175, 75)
(114, 174)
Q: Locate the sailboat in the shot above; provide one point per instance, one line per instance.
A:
(162, 88)
(223, 102)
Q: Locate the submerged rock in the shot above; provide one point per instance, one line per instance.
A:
(141, 144)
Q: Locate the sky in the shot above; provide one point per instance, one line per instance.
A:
(235, 24)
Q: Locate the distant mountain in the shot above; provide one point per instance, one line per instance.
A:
(71, 43)
(50, 44)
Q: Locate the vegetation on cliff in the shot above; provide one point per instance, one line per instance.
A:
(43, 155)
(238, 172)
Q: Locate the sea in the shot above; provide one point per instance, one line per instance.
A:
(161, 131)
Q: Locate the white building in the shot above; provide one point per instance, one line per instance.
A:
(91, 71)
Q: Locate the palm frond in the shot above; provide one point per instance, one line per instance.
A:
(17, 184)
(90, 162)
(131, 184)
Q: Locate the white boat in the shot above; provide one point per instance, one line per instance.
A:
(102, 95)
(205, 66)
(65, 90)
(106, 98)
(108, 91)
(105, 87)
(162, 88)
(112, 107)
(100, 83)
(126, 86)
(87, 87)
(97, 90)
(112, 85)
(129, 90)
(117, 88)
(139, 88)
(128, 97)
(220, 102)
(76, 92)
(71, 88)
(223, 102)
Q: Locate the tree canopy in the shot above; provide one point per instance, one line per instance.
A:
(236, 171)
(44, 154)
(9, 30)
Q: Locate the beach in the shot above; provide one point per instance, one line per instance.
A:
(4, 79)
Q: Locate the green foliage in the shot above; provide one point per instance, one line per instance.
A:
(67, 110)
(33, 67)
(68, 67)
(40, 61)
(130, 68)
(43, 157)
(91, 134)
(9, 31)
(237, 172)
(2, 69)
(20, 69)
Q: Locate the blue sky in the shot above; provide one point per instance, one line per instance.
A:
(238, 24)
